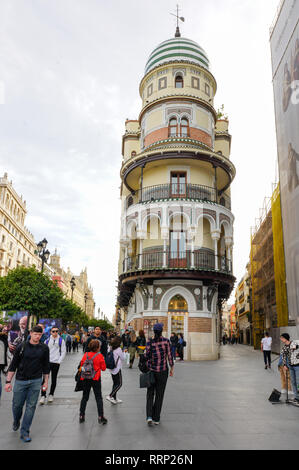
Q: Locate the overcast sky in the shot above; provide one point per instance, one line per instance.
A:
(70, 71)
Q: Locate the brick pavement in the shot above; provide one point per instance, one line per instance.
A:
(219, 405)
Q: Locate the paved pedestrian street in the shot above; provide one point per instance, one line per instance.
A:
(208, 406)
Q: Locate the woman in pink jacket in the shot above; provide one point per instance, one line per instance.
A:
(116, 375)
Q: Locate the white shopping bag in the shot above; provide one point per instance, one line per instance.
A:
(127, 358)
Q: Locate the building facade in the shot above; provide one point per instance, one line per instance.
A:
(268, 275)
(17, 245)
(285, 67)
(175, 263)
(243, 308)
(82, 293)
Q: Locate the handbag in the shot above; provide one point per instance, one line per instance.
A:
(147, 379)
(79, 383)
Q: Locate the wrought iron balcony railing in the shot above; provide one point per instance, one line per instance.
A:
(178, 191)
(198, 260)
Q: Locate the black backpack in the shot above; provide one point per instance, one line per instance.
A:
(110, 361)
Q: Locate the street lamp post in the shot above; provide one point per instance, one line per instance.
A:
(42, 252)
(73, 285)
(85, 300)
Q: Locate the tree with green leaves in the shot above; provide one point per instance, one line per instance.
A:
(30, 290)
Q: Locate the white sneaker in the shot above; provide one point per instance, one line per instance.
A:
(118, 401)
(42, 400)
(50, 399)
(111, 400)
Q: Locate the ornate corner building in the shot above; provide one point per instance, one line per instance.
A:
(176, 240)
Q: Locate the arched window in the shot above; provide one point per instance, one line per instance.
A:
(173, 127)
(179, 82)
(184, 127)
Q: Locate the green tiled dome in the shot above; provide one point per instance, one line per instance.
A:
(175, 50)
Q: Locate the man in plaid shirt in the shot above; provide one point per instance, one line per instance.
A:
(158, 355)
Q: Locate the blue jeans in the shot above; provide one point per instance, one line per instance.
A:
(173, 351)
(25, 391)
(294, 372)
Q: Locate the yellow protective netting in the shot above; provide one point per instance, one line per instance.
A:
(279, 260)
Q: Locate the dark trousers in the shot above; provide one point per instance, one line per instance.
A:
(117, 384)
(181, 352)
(97, 390)
(54, 368)
(267, 357)
(68, 347)
(155, 395)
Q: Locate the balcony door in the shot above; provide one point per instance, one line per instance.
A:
(178, 184)
(178, 252)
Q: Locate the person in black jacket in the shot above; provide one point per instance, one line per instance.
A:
(31, 363)
(174, 344)
(3, 353)
(125, 339)
(99, 335)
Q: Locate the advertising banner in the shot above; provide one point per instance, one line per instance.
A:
(285, 66)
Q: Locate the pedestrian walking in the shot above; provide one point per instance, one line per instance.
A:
(57, 348)
(290, 358)
(286, 385)
(32, 366)
(132, 347)
(125, 339)
(266, 346)
(3, 354)
(181, 346)
(116, 373)
(158, 356)
(141, 343)
(98, 365)
(174, 345)
(75, 343)
(68, 343)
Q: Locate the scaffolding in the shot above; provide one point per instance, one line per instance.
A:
(264, 314)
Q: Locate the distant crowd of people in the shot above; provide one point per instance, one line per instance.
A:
(39, 357)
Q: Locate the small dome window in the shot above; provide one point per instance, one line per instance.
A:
(173, 127)
(179, 82)
(184, 127)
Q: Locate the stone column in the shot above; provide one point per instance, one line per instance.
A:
(216, 237)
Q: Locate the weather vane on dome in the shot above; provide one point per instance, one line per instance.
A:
(178, 18)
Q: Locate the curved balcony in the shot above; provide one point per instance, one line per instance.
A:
(199, 260)
(183, 191)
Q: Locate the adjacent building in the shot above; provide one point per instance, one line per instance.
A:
(268, 277)
(285, 67)
(18, 248)
(243, 308)
(175, 263)
(17, 245)
(78, 290)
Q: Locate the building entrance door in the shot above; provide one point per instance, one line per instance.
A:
(178, 317)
